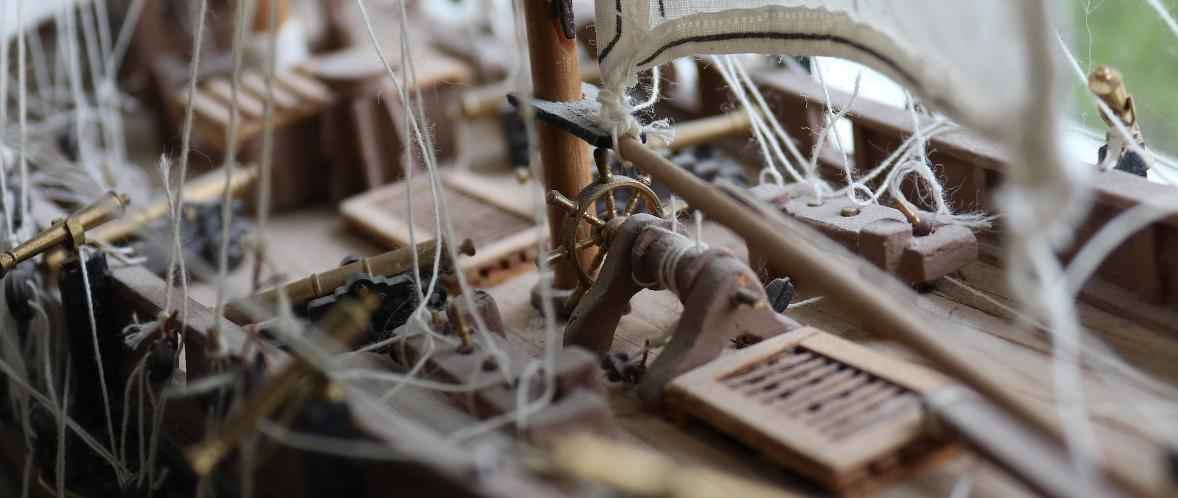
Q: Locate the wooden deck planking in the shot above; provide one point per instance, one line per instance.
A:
(316, 239)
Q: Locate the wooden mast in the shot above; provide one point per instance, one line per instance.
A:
(556, 76)
(262, 15)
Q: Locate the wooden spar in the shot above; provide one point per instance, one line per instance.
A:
(261, 22)
(486, 101)
(556, 76)
(710, 129)
(868, 295)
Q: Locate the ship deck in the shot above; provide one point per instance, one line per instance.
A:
(314, 238)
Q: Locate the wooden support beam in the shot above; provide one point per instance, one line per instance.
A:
(709, 130)
(556, 76)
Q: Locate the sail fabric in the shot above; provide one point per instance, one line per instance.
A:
(966, 58)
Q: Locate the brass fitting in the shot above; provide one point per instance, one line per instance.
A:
(342, 325)
(920, 226)
(318, 285)
(70, 231)
(1108, 85)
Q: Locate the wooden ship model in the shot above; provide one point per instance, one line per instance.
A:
(445, 249)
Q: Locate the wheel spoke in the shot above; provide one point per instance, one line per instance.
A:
(632, 205)
(611, 206)
(592, 241)
(559, 200)
(555, 257)
(593, 219)
(596, 264)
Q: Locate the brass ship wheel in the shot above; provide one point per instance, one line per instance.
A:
(602, 206)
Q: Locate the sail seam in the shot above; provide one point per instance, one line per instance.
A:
(617, 34)
(895, 67)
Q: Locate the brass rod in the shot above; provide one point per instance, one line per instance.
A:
(206, 188)
(318, 285)
(70, 231)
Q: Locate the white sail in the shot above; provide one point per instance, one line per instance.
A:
(966, 58)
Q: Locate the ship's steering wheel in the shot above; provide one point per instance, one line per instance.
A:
(589, 222)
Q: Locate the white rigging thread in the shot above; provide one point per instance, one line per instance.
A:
(1043, 201)
(175, 255)
(424, 143)
(239, 22)
(547, 365)
(832, 121)
(81, 105)
(1138, 392)
(519, 415)
(98, 48)
(4, 157)
(265, 180)
(62, 421)
(768, 136)
(60, 413)
(910, 158)
(1164, 13)
(22, 111)
(1112, 234)
(82, 257)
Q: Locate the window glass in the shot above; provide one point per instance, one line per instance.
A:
(1130, 36)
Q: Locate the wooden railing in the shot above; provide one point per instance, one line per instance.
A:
(1138, 280)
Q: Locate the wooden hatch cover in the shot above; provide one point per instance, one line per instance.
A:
(493, 210)
(845, 416)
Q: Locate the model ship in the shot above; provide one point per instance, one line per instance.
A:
(330, 248)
